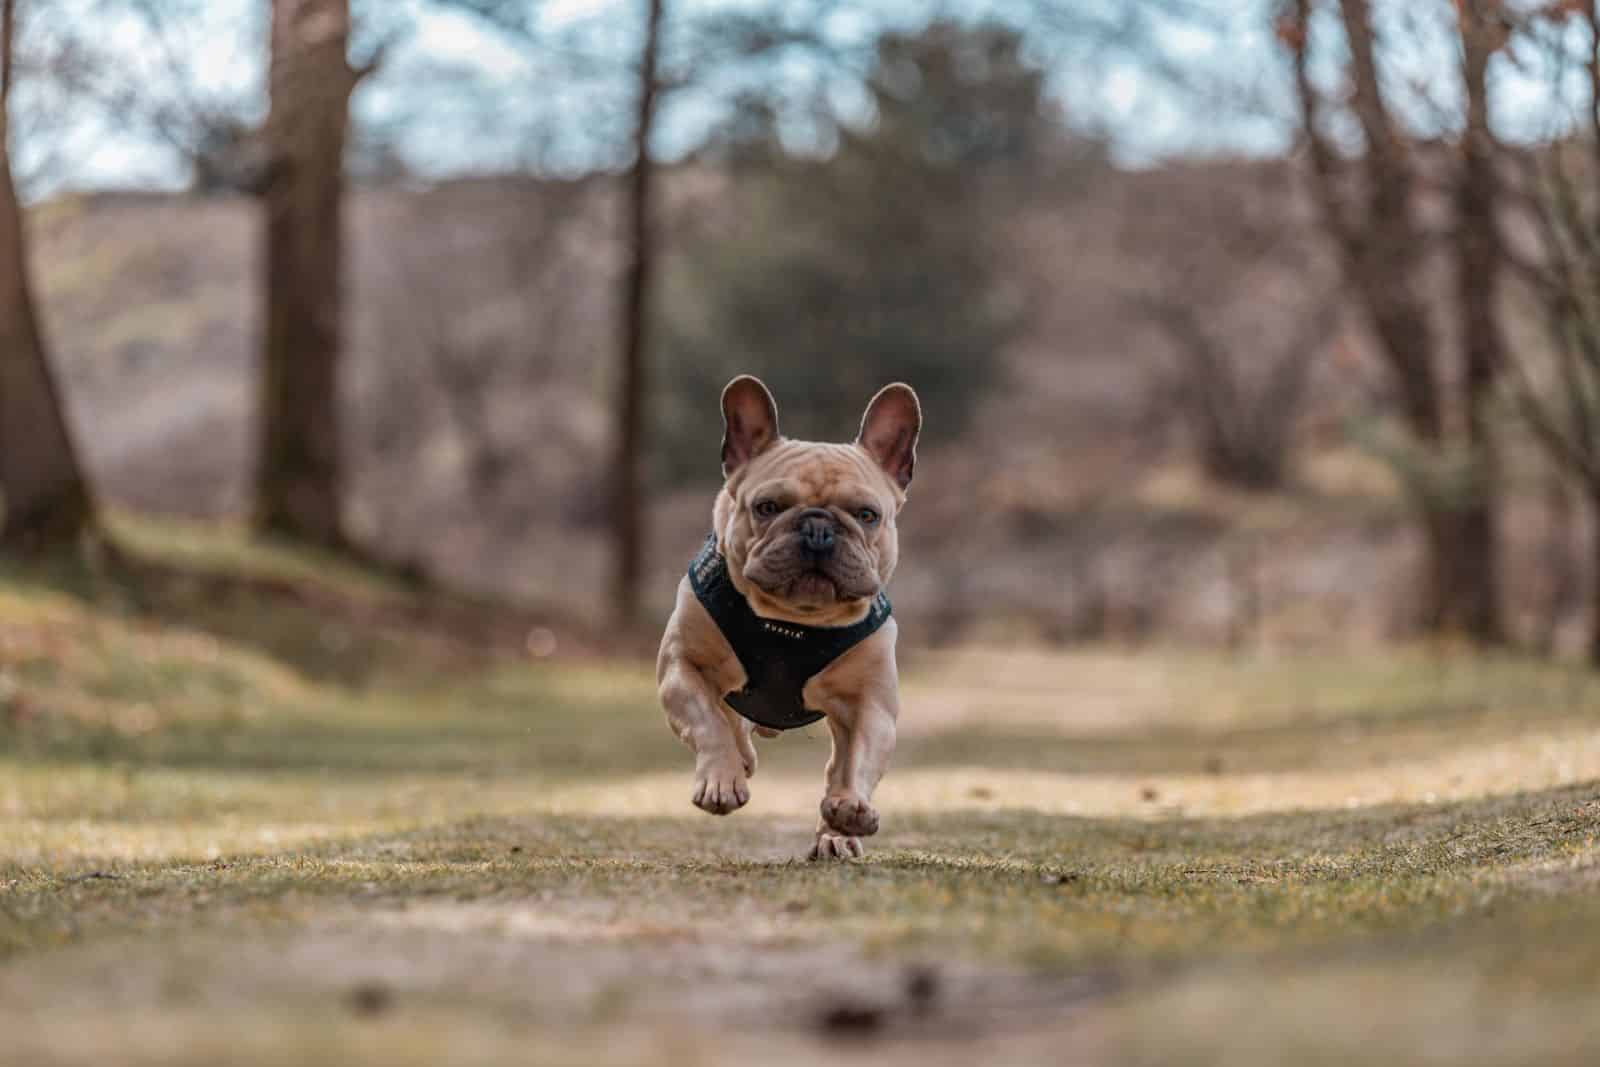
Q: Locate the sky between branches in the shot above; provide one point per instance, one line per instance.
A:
(455, 95)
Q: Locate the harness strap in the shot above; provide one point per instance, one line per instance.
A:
(778, 657)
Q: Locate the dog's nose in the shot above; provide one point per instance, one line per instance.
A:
(816, 533)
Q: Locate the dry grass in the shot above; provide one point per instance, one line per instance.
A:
(228, 831)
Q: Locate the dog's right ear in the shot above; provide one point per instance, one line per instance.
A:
(749, 420)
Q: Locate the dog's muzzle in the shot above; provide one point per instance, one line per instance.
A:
(818, 534)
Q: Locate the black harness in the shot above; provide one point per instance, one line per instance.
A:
(778, 657)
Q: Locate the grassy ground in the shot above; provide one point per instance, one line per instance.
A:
(260, 807)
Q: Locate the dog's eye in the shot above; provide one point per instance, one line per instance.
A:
(767, 508)
(867, 516)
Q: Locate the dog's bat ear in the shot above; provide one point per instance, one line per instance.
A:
(889, 431)
(749, 420)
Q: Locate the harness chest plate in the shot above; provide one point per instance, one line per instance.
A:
(778, 657)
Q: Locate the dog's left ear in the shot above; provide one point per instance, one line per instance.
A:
(889, 431)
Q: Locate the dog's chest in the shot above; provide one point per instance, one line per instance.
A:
(775, 660)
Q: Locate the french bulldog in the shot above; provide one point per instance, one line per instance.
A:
(783, 619)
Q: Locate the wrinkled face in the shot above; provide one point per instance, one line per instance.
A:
(811, 526)
(809, 529)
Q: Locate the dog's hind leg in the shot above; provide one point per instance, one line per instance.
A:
(721, 766)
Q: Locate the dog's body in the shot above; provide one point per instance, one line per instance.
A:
(808, 534)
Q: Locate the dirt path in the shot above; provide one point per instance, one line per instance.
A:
(220, 847)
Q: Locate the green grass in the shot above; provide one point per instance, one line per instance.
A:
(263, 806)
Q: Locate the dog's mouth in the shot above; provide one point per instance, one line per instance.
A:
(812, 587)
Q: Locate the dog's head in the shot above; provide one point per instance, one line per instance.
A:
(809, 529)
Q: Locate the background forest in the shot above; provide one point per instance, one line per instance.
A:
(1249, 383)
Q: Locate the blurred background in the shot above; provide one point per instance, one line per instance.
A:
(359, 378)
(1266, 323)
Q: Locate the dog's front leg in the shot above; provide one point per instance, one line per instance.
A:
(721, 773)
(863, 740)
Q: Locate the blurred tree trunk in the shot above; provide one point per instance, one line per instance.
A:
(627, 481)
(1479, 263)
(1559, 396)
(1594, 584)
(299, 473)
(44, 499)
(1563, 592)
(1381, 244)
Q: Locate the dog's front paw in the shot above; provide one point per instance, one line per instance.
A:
(720, 788)
(849, 815)
(832, 846)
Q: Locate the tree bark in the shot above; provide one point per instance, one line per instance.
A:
(299, 468)
(1381, 243)
(628, 510)
(1387, 254)
(1594, 579)
(44, 499)
(1594, 576)
(1479, 269)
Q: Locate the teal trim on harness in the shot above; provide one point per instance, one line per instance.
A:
(778, 657)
